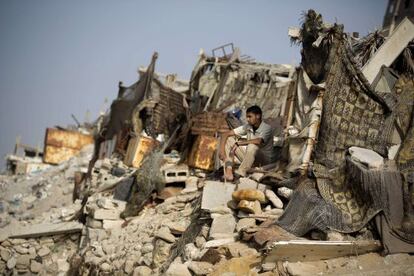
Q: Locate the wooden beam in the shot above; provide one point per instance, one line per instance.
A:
(306, 250)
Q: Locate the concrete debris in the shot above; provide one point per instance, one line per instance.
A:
(60, 209)
(216, 194)
(223, 227)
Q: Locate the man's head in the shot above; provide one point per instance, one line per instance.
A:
(254, 115)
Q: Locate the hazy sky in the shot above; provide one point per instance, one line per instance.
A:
(61, 57)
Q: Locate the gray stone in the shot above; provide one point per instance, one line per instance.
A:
(191, 252)
(21, 250)
(177, 269)
(142, 271)
(5, 254)
(63, 265)
(35, 267)
(200, 268)
(23, 261)
(161, 252)
(223, 227)
(129, 266)
(106, 267)
(44, 251)
(177, 227)
(299, 268)
(148, 247)
(147, 259)
(165, 234)
(285, 192)
(274, 199)
(366, 156)
(216, 194)
(11, 263)
(245, 223)
(247, 183)
(200, 241)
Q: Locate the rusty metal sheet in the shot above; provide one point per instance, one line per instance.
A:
(202, 153)
(138, 148)
(61, 145)
(56, 155)
(67, 139)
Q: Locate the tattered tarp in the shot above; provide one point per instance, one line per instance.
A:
(353, 115)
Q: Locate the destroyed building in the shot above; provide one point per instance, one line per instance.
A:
(148, 198)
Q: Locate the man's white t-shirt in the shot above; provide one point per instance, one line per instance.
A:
(265, 132)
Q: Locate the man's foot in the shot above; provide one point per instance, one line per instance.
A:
(228, 174)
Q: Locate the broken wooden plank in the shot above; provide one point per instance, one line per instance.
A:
(47, 229)
(390, 50)
(306, 250)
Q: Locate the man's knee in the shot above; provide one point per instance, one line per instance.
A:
(252, 149)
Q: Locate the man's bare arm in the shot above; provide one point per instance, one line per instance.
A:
(256, 141)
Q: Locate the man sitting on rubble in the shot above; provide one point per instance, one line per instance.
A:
(256, 150)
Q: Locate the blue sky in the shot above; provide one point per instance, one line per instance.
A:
(62, 57)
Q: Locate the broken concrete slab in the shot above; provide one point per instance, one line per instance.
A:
(217, 243)
(104, 214)
(216, 194)
(274, 199)
(390, 50)
(47, 229)
(306, 250)
(109, 224)
(223, 227)
(366, 156)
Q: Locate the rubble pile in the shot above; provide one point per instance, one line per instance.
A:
(151, 197)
